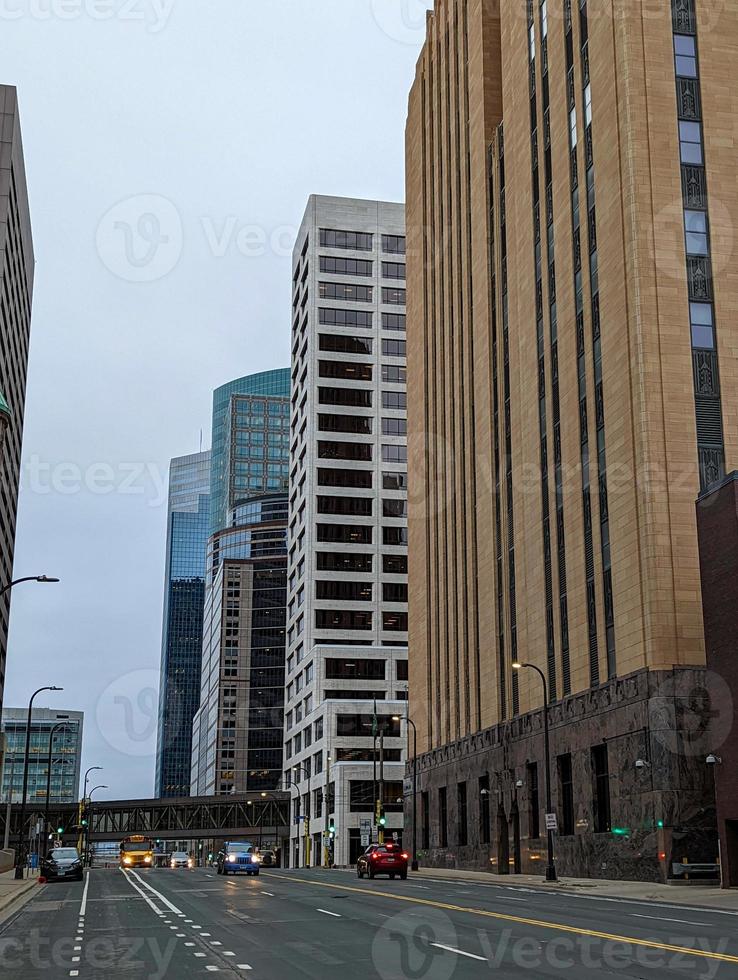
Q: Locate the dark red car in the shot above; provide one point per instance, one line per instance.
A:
(383, 859)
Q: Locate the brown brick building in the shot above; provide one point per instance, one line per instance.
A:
(570, 288)
(717, 520)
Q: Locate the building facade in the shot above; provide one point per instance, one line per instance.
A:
(571, 370)
(717, 520)
(66, 755)
(347, 590)
(188, 522)
(237, 731)
(16, 290)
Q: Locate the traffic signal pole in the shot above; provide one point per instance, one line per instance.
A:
(327, 822)
(380, 807)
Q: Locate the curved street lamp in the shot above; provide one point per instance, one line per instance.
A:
(43, 579)
(89, 821)
(551, 866)
(408, 719)
(20, 857)
(59, 725)
(306, 821)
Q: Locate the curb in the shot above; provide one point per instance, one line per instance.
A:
(17, 898)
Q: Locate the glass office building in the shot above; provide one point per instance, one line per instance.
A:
(241, 427)
(66, 755)
(184, 600)
(236, 745)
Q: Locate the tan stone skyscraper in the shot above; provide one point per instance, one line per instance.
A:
(572, 380)
(16, 289)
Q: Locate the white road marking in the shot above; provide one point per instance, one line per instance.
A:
(243, 966)
(459, 952)
(326, 912)
(659, 918)
(189, 944)
(76, 959)
(215, 943)
(197, 927)
(141, 892)
(206, 933)
(162, 898)
(74, 973)
(213, 969)
(270, 894)
(83, 906)
(174, 928)
(228, 954)
(181, 935)
(200, 955)
(188, 921)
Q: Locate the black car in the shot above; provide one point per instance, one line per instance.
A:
(62, 863)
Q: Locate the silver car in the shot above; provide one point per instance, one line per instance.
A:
(179, 859)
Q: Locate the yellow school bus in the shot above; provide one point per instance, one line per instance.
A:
(137, 852)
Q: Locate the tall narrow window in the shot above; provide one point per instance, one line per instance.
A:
(566, 795)
(442, 817)
(425, 818)
(462, 815)
(601, 779)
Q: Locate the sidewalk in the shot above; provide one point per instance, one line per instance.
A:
(12, 890)
(644, 891)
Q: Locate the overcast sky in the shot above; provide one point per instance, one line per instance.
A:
(170, 149)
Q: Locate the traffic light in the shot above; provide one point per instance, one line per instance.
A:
(380, 818)
(60, 830)
(84, 821)
(332, 828)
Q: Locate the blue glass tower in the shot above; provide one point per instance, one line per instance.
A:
(238, 728)
(235, 474)
(184, 598)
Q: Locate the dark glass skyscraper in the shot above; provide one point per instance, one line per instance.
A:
(179, 688)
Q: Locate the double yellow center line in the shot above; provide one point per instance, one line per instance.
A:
(517, 919)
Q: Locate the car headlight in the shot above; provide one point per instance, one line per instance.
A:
(256, 858)
(232, 858)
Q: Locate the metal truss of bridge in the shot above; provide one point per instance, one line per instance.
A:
(185, 818)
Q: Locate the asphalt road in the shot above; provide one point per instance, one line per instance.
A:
(330, 926)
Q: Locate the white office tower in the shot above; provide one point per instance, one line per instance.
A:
(347, 588)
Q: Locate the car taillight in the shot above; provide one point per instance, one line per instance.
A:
(405, 856)
(375, 856)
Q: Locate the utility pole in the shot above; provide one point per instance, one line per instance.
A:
(381, 782)
(8, 810)
(327, 823)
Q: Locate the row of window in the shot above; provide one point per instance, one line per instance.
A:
(352, 619)
(349, 371)
(326, 591)
(600, 804)
(328, 561)
(360, 452)
(337, 266)
(360, 506)
(356, 293)
(361, 241)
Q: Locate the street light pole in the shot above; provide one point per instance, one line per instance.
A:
(89, 824)
(551, 866)
(61, 724)
(20, 857)
(408, 719)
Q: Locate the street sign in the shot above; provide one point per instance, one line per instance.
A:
(365, 838)
(366, 825)
(407, 786)
(551, 822)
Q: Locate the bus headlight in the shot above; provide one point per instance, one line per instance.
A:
(147, 859)
(126, 860)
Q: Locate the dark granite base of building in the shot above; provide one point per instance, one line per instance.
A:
(633, 796)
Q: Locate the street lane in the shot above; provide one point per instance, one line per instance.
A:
(158, 924)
